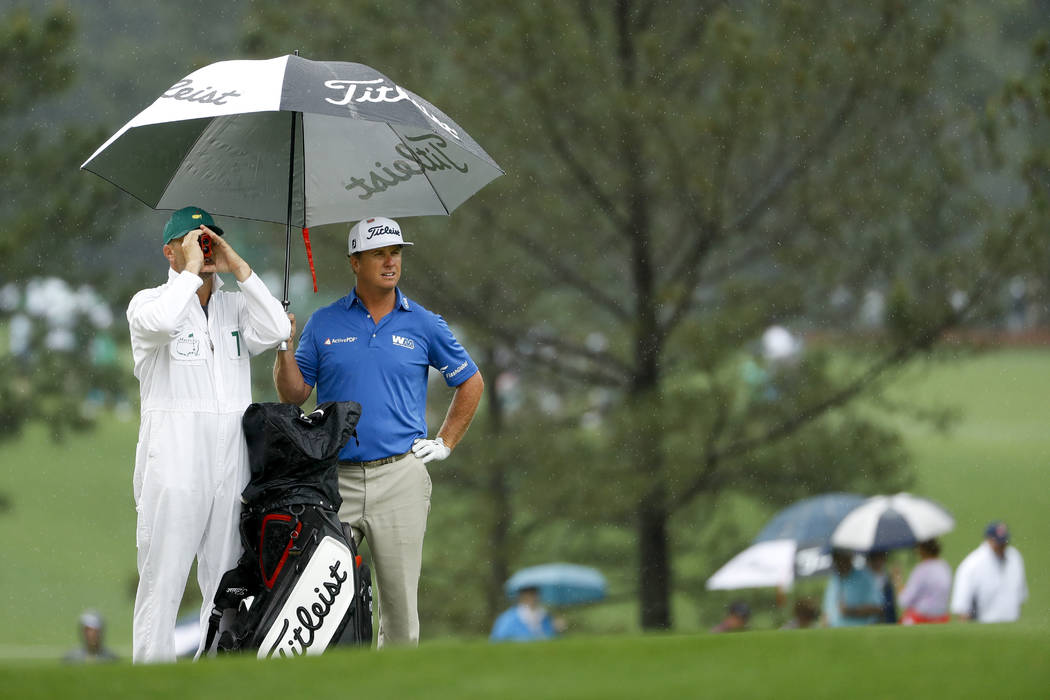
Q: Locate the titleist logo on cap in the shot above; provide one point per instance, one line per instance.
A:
(381, 230)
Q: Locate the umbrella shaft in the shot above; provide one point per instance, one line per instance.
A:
(288, 220)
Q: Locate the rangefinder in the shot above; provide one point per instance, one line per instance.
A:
(205, 242)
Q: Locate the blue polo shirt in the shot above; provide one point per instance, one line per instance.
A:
(382, 366)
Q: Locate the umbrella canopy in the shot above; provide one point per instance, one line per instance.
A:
(811, 521)
(892, 522)
(297, 142)
(793, 544)
(559, 584)
(221, 138)
(762, 565)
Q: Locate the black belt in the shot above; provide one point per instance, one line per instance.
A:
(374, 462)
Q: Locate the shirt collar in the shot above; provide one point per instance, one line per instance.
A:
(402, 301)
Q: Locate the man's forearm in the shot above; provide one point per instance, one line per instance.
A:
(288, 380)
(461, 410)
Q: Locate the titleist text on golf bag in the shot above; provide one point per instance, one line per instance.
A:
(300, 586)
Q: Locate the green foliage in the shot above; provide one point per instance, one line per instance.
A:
(33, 61)
(62, 355)
(679, 177)
(60, 363)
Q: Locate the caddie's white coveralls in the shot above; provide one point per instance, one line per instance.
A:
(191, 462)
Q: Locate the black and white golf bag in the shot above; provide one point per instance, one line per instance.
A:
(300, 586)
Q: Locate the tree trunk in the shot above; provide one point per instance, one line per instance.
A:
(654, 552)
(499, 536)
(497, 493)
(654, 584)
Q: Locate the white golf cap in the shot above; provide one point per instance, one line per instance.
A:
(375, 232)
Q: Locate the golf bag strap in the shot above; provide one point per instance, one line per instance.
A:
(213, 628)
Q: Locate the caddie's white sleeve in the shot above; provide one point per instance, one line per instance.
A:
(264, 322)
(153, 314)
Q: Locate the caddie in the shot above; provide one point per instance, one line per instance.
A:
(191, 343)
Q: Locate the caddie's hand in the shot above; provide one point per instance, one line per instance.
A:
(191, 252)
(430, 450)
(226, 258)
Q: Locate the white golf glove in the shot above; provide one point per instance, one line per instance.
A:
(430, 450)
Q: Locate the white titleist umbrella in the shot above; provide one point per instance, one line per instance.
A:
(891, 522)
(297, 142)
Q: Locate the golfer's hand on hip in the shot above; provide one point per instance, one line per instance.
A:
(430, 450)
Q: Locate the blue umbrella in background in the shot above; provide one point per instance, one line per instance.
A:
(811, 521)
(559, 584)
(794, 544)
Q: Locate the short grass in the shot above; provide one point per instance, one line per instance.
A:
(69, 536)
(68, 531)
(956, 661)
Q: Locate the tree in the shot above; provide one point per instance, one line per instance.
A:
(680, 177)
(59, 350)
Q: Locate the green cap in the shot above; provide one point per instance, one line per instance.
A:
(185, 220)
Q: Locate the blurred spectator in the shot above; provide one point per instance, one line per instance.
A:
(852, 596)
(92, 649)
(990, 583)
(525, 622)
(925, 597)
(737, 616)
(877, 564)
(806, 614)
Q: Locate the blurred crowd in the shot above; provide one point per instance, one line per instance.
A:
(989, 585)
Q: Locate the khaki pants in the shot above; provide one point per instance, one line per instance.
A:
(388, 505)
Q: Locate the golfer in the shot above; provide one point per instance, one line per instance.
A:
(191, 344)
(376, 346)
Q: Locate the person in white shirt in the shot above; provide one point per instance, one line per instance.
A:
(990, 583)
(191, 344)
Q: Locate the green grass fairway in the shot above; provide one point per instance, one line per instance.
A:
(69, 537)
(952, 661)
(69, 530)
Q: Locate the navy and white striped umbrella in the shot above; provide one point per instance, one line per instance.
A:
(297, 142)
(883, 523)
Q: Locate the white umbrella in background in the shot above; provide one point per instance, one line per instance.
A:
(762, 565)
(793, 544)
(892, 522)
